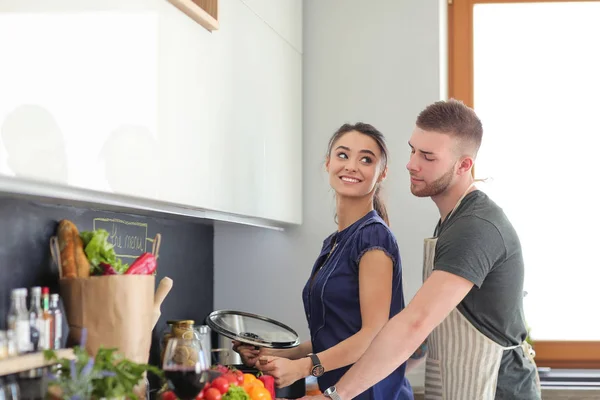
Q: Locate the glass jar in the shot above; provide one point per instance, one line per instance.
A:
(183, 329)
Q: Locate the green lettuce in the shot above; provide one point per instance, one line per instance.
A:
(98, 250)
(236, 393)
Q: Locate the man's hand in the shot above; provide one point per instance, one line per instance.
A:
(318, 397)
(285, 371)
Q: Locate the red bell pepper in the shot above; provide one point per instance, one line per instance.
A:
(269, 383)
(143, 265)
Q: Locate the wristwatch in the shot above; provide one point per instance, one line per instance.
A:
(332, 393)
(317, 369)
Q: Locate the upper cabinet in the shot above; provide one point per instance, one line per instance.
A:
(283, 16)
(141, 100)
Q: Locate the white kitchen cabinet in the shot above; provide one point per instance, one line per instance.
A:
(136, 98)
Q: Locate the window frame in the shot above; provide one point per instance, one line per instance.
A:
(553, 354)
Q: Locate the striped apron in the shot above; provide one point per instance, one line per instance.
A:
(462, 363)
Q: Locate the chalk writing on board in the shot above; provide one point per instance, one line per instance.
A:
(129, 238)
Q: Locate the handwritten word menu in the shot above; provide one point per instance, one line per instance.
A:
(129, 238)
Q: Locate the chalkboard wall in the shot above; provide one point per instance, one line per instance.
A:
(186, 253)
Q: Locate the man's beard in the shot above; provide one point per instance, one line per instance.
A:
(436, 187)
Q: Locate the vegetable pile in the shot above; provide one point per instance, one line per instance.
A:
(234, 385)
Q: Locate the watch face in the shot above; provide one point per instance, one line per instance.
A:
(318, 370)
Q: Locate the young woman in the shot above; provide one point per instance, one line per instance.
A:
(355, 285)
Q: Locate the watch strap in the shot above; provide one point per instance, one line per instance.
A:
(315, 359)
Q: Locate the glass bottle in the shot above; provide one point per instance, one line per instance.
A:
(18, 320)
(48, 339)
(57, 321)
(36, 318)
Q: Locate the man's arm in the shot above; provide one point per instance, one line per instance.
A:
(401, 336)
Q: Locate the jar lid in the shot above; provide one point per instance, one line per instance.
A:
(181, 322)
(252, 329)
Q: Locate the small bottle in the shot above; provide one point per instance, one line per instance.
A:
(18, 320)
(11, 344)
(36, 318)
(57, 321)
(48, 338)
(13, 311)
(3, 345)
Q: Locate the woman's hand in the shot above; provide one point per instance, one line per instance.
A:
(285, 371)
(248, 353)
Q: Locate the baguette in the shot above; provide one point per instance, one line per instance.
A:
(73, 259)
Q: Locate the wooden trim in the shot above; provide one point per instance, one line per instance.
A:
(194, 10)
(554, 354)
(460, 51)
(567, 354)
(9, 366)
(210, 6)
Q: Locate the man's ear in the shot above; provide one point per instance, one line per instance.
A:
(465, 165)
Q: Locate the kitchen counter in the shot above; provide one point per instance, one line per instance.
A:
(547, 393)
(570, 393)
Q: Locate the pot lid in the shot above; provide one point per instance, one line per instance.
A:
(252, 329)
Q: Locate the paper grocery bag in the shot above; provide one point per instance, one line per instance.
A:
(116, 311)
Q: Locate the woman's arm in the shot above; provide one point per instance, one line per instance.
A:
(293, 354)
(375, 278)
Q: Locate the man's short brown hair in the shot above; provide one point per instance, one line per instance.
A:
(454, 118)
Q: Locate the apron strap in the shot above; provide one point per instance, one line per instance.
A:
(439, 225)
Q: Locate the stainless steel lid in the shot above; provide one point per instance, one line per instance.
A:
(252, 329)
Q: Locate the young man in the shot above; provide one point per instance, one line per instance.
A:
(470, 307)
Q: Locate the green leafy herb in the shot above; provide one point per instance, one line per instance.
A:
(108, 375)
(99, 250)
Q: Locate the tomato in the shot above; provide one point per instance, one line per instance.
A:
(232, 378)
(200, 395)
(212, 394)
(221, 384)
(260, 393)
(222, 369)
(168, 396)
(240, 377)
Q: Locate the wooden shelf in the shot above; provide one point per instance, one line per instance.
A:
(29, 361)
(203, 12)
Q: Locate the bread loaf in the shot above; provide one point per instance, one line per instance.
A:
(73, 259)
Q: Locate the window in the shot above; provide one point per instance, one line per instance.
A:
(530, 70)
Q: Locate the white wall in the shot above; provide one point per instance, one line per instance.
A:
(381, 63)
